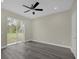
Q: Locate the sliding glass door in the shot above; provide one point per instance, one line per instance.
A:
(15, 32)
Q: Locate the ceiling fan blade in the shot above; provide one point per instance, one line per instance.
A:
(26, 11)
(38, 9)
(36, 4)
(26, 6)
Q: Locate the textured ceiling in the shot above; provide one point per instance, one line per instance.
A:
(49, 6)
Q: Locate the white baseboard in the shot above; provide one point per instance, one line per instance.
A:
(15, 43)
(37, 41)
(3, 47)
(53, 44)
(11, 44)
(74, 52)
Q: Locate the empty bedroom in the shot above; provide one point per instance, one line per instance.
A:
(38, 29)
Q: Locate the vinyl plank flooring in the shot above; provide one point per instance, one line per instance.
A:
(36, 50)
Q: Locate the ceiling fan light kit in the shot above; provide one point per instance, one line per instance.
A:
(33, 7)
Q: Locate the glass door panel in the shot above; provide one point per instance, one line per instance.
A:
(11, 31)
(20, 31)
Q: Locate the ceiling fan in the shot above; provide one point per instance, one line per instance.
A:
(33, 7)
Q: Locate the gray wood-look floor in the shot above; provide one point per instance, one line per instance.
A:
(36, 50)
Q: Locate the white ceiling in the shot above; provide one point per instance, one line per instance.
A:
(48, 6)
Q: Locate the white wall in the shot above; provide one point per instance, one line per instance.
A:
(5, 15)
(74, 30)
(74, 33)
(3, 30)
(53, 29)
(28, 30)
